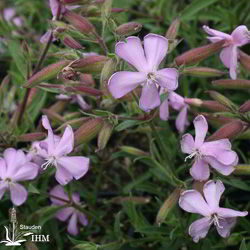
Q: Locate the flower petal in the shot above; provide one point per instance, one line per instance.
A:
(233, 63)
(28, 171)
(200, 170)
(66, 144)
(176, 101)
(77, 166)
(219, 144)
(54, 5)
(216, 33)
(132, 52)
(50, 139)
(226, 224)
(187, 144)
(167, 78)
(3, 187)
(164, 110)
(83, 219)
(192, 202)
(72, 226)
(63, 176)
(45, 37)
(156, 48)
(225, 56)
(227, 212)
(58, 191)
(64, 213)
(150, 97)
(14, 159)
(82, 103)
(212, 192)
(199, 229)
(201, 128)
(181, 119)
(240, 35)
(3, 168)
(221, 168)
(123, 82)
(18, 194)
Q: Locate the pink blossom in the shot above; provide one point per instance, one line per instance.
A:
(217, 154)
(176, 102)
(223, 218)
(146, 61)
(15, 167)
(9, 15)
(68, 212)
(229, 55)
(55, 153)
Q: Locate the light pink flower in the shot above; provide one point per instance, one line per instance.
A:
(55, 153)
(147, 62)
(223, 218)
(9, 15)
(217, 154)
(15, 167)
(68, 212)
(176, 102)
(229, 55)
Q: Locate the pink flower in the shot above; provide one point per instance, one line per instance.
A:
(223, 218)
(9, 15)
(15, 167)
(146, 61)
(67, 212)
(176, 102)
(217, 154)
(55, 151)
(229, 55)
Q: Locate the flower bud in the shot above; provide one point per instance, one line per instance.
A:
(202, 72)
(198, 54)
(133, 199)
(173, 29)
(90, 64)
(71, 43)
(128, 29)
(107, 71)
(104, 135)
(244, 60)
(88, 131)
(245, 107)
(232, 84)
(59, 106)
(46, 73)
(53, 116)
(31, 137)
(75, 1)
(168, 204)
(79, 22)
(242, 169)
(222, 99)
(193, 101)
(133, 151)
(217, 120)
(75, 123)
(229, 130)
(81, 89)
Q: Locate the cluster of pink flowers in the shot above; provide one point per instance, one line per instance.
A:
(216, 154)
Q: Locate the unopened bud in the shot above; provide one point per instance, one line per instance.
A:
(232, 84)
(217, 120)
(72, 43)
(133, 199)
(127, 29)
(31, 137)
(88, 131)
(168, 204)
(46, 73)
(75, 1)
(107, 70)
(133, 151)
(193, 101)
(81, 89)
(242, 169)
(104, 135)
(222, 99)
(90, 64)
(203, 72)
(79, 22)
(59, 106)
(198, 54)
(75, 123)
(173, 29)
(53, 116)
(229, 130)
(245, 107)
(244, 60)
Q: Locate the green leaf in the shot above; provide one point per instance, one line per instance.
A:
(243, 245)
(194, 7)
(126, 124)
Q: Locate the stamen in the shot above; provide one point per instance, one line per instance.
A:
(191, 155)
(49, 162)
(216, 221)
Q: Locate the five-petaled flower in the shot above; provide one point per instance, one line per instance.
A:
(176, 102)
(55, 152)
(146, 61)
(217, 154)
(15, 167)
(229, 55)
(67, 212)
(223, 218)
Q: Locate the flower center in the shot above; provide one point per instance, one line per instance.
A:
(215, 220)
(195, 153)
(49, 162)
